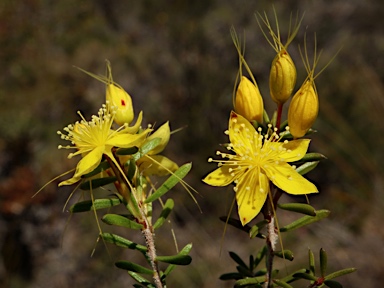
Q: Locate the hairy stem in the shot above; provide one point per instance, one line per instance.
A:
(149, 236)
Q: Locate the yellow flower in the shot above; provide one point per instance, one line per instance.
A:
(256, 160)
(95, 138)
(249, 102)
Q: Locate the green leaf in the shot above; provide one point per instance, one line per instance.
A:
(104, 165)
(305, 220)
(122, 242)
(282, 283)
(260, 255)
(310, 157)
(185, 251)
(311, 257)
(237, 259)
(254, 232)
(306, 167)
(290, 278)
(119, 220)
(333, 284)
(175, 259)
(148, 146)
(88, 205)
(339, 273)
(305, 276)
(286, 254)
(127, 151)
(141, 279)
(164, 213)
(323, 262)
(170, 182)
(96, 183)
(299, 208)
(256, 281)
(126, 265)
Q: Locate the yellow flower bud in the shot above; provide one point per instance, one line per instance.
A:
(116, 96)
(156, 165)
(282, 78)
(303, 109)
(164, 133)
(249, 102)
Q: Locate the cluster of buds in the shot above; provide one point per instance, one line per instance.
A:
(304, 106)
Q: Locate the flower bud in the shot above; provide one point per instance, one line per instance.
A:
(249, 102)
(282, 78)
(164, 133)
(303, 109)
(119, 98)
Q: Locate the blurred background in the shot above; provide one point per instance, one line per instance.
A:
(177, 61)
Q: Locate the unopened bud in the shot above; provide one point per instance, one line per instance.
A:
(164, 133)
(303, 109)
(119, 98)
(282, 78)
(248, 102)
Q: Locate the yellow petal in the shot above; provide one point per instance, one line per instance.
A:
(164, 133)
(125, 140)
(296, 149)
(220, 177)
(133, 129)
(87, 164)
(241, 133)
(156, 165)
(288, 180)
(251, 200)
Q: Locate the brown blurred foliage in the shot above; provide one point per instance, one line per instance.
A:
(177, 61)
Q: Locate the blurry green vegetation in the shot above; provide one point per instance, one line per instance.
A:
(177, 61)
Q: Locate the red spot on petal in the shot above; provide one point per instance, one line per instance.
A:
(233, 115)
(122, 102)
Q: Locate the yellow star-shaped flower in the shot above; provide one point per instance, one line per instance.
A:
(96, 138)
(256, 160)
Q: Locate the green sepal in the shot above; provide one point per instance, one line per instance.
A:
(332, 284)
(88, 205)
(286, 254)
(310, 157)
(254, 232)
(185, 251)
(237, 259)
(96, 183)
(122, 242)
(119, 220)
(129, 266)
(283, 125)
(170, 182)
(231, 276)
(104, 165)
(311, 257)
(127, 151)
(339, 273)
(323, 262)
(168, 206)
(175, 259)
(305, 276)
(305, 220)
(299, 208)
(281, 283)
(306, 167)
(141, 280)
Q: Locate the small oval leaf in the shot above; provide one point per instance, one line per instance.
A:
(339, 273)
(175, 259)
(286, 254)
(119, 220)
(299, 208)
(306, 167)
(167, 209)
(126, 265)
(332, 284)
(305, 220)
(170, 182)
(323, 262)
(88, 205)
(122, 242)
